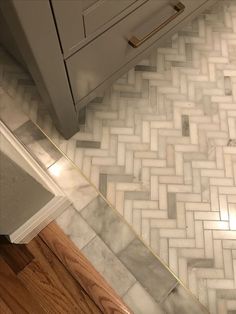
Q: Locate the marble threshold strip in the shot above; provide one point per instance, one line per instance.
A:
(102, 235)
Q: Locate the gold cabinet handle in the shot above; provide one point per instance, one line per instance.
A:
(136, 42)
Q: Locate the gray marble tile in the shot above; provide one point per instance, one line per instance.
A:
(28, 133)
(181, 64)
(181, 301)
(75, 227)
(148, 270)
(227, 85)
(102, 258)
(153, 97)
(131, 94)
(82, 116)
(119, 178)
(140, 301)
(171, 201)
(103, 183)
(88, 144)
(201, 262)
(108, 224)
(10, 114)
(185, 125)
(188, 50)
(137, 195)
(42, 149)
(228, 294)
(146, 68)
(231, 142)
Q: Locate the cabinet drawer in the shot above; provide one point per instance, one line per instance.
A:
(101, 12)
(97, 61)
(80, 21)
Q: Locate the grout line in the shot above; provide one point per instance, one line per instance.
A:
(131, 288)
(87, 244)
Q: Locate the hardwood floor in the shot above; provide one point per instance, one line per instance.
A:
(33, 280)
(82, 270)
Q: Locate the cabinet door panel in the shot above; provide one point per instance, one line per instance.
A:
(103, 11)
(97, 61)
(69, 20)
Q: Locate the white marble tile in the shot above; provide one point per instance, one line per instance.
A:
(147, 269)
(232, 216)
(140, 301)
(116, 274)
(108, 224)
(75, 227)
(72, 182)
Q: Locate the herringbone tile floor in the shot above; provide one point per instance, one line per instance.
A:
(161, 146)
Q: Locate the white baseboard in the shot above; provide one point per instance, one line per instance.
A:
(40, 220)
(51, 210)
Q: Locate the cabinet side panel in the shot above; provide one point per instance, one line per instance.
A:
(32, 26)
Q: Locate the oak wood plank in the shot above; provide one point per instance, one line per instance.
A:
(17, 256)
(17, 298)
(43, 254)
(41, 279)
(70, 284)
(81, 269)
(4, 309)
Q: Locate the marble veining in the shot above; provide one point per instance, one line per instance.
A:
(108, 224)
(179, 301)
(74, 185)
(157, 280)
(75, 227)
(104, 260)
(167, 130)
(101, 233)
(160, 146)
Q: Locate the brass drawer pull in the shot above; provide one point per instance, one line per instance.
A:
(136, 42)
